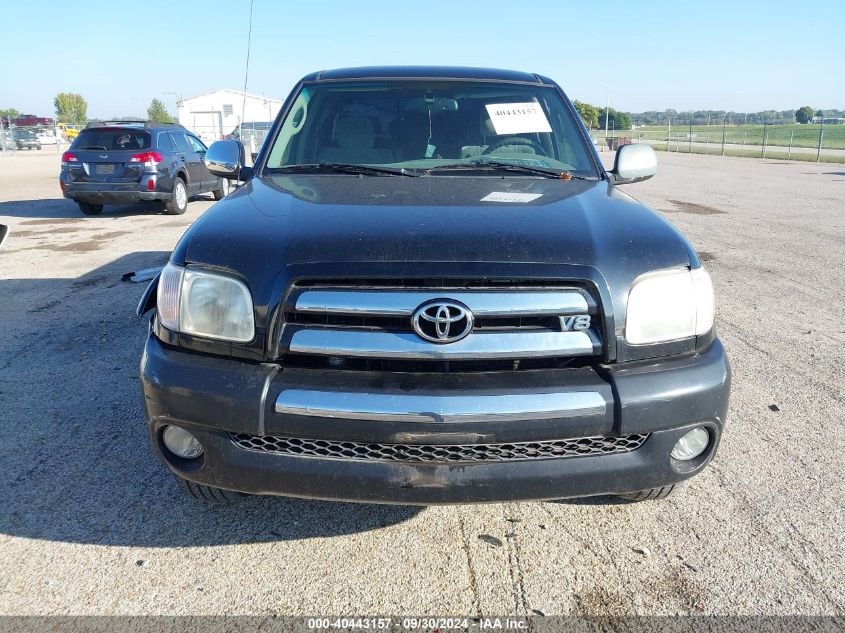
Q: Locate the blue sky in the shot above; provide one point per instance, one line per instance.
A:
(742, 56)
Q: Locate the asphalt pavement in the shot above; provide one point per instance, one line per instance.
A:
(90, 522)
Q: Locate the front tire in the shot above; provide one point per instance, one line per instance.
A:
(90, 209)
(209, 494)
(223, 190)
(178, 202)
(651, 493)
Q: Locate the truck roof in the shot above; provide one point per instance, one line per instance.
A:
(425, 72)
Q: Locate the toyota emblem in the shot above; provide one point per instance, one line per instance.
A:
(442, 321)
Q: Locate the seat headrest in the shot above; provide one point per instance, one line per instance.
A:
(486, 126)
(355, 132)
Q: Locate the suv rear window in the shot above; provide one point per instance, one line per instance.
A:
(113, 139)
(164, 143)
(181, 143)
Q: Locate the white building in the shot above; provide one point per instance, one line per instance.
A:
(212, 115)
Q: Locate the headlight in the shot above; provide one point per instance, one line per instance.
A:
(668, 305)
(204, 304)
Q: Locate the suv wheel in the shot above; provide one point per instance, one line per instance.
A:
(223, 190)
(178, 203)
(90, 209)
(208, 493)
(652, 493)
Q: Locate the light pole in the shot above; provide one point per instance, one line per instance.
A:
(606, 111)
(177, 99)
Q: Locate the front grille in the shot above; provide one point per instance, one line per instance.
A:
(515, 326)
(401, 323)
(515, 451)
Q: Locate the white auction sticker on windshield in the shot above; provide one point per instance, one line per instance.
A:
(517, 118)
(510, 196)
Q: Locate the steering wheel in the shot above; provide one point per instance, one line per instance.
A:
(515, 140)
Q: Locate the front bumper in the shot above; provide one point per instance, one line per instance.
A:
(214, 397)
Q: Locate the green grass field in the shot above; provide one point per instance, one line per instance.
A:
(777, 135)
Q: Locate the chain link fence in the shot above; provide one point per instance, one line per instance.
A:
(58, 137)
(36, 138)
(809, 142)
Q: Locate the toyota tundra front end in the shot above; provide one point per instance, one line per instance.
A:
(429, 290)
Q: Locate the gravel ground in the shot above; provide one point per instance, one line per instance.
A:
(91, 523)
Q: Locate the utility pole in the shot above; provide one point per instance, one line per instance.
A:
(765, 137)
(669, 134)
(690, 135)
(178, 98)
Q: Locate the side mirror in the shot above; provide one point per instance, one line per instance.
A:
(226, 159)
(634, 163)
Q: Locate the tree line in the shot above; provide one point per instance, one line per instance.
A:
(715, 117)
(71, 108)
(594, 117)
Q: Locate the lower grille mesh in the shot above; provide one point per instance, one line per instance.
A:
(578, 447)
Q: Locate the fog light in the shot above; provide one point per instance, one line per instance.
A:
(181, 443)
(692, 444)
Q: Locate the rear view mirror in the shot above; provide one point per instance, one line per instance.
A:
(634, 163)
(432, 104)
(226, 159)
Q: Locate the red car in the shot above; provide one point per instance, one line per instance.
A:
(30, 120)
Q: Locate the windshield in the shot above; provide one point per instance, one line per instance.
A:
(427, 125)
(112, 139)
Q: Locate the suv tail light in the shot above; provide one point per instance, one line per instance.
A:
(148, 158)
(67, 157)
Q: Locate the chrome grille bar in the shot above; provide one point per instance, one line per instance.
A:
(404, 302)
(477, 346)
(389, 407)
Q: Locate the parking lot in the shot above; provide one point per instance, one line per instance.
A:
(92, 524)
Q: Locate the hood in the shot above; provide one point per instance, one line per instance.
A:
(341, 225)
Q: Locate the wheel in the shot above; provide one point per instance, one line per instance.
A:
(208, 493)
(38, 147)
(178, 203)
(223, 190)
(90, 209)
(645, 495)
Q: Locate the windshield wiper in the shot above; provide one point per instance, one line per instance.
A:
(341, 168)
(503, 165)
(94, 147)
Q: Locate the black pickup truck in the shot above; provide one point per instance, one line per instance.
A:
(429, 290)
